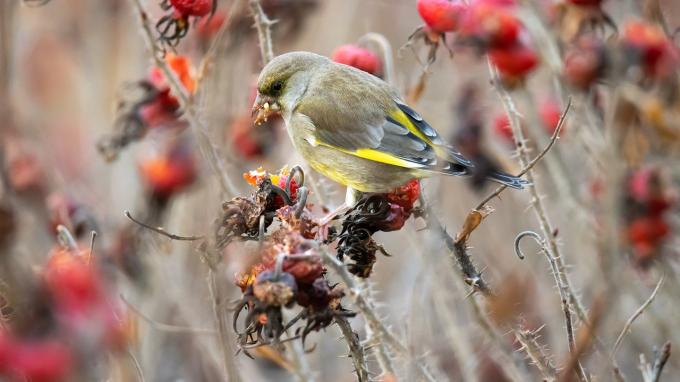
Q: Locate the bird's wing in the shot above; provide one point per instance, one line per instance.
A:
(374, 124)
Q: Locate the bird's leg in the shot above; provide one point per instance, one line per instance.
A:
(351, 198)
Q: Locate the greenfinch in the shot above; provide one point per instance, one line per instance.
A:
(353, 127)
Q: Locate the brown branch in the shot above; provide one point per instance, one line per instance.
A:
(162, 231)
(264, 30)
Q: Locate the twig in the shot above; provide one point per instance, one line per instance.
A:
(165, 327)
(368, 311)
(529, 341)
(530, 165)
(264, 30)
(638, 312)
(162, 231)
(652, 373)
(209, 151)
(356, 351)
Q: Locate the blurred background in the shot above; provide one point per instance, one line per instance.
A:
(90, 129)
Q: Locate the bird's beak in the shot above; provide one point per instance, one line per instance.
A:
(263, 107)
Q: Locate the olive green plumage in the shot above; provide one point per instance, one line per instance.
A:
(353, 127)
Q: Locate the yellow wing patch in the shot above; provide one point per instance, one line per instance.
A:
(405, 121)
(376, 156)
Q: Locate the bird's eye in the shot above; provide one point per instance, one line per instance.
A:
(276, 87)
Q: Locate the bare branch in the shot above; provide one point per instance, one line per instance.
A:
(652, 373)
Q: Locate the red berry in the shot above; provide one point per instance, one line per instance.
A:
(196, 8)
(441, 15)
(550, 113)
(491, 24)
(42, 361)
(358, 57)
(405, 196)
(169, 172)
(650, 48)
(585, 62)
(586, 3)
(515, 61)
(501, 126)
(209, 25)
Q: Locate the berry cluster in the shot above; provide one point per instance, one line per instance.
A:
(68, 310)
(175, 25)
(289, 272)
(373, 213)
(647, 202)
(156, 107)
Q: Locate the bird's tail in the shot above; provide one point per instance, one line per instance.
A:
(508, 180)
(496, 176)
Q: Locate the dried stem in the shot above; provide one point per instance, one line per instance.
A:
(638, 312)
(356, 350)
(368, 311)
(209, 151)
(264, 30)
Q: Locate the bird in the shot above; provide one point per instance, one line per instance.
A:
(355, 128)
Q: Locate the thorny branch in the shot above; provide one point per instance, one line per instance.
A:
(368, 311)
(561, 287)
(552, 250)
(529, 341)
(356, 350)
(264, 30)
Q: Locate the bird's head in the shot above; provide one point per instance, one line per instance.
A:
(283, 81)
